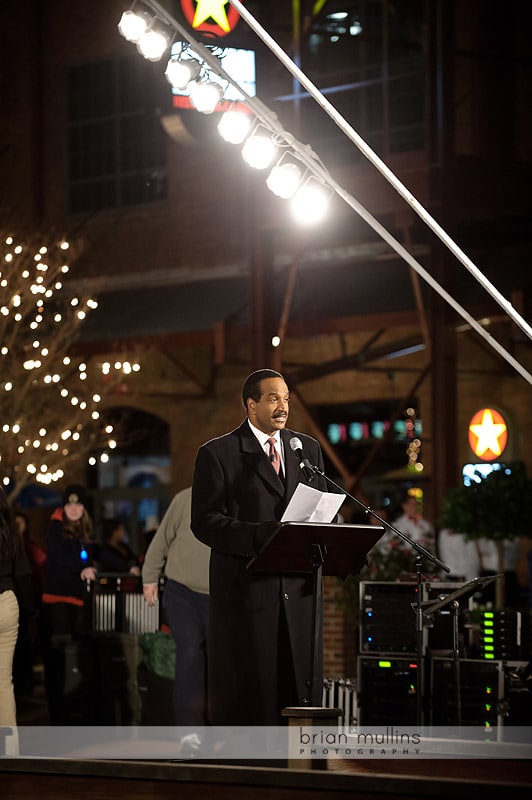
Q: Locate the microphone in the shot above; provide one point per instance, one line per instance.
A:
(297, 446)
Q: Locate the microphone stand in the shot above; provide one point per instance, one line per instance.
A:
(422, 554)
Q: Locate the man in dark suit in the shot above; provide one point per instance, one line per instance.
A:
(261, 626)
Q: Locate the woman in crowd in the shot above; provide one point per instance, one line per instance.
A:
(15, 587)
(69, 564)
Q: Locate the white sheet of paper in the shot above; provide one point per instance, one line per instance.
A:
(310, 505)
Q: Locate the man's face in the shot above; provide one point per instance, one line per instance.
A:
(270, 413)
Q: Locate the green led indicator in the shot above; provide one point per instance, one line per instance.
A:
(489, 655)
(488, 638)
(487, 707)
(385, 663)
(488, 615)
(489, 647)
(488, 690)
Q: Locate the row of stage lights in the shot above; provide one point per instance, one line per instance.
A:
(262, 148)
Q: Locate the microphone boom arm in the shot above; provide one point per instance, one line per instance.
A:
(421, 551)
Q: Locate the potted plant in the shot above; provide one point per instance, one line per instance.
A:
(497, 506)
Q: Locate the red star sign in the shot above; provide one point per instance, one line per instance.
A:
(488, 434)
(211, 17)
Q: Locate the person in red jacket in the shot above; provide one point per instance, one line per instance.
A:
(69, 565)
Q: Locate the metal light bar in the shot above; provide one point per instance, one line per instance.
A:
(310, 159)
(380, 165)
(261, 111)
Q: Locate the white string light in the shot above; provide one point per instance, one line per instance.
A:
(46, 396)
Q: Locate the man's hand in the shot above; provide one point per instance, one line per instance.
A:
(151, 593)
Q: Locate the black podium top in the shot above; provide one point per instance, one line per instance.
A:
(301, 547)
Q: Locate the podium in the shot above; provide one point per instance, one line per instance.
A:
(304, 547)
(319, 549)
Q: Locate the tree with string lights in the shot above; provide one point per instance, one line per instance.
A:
(50, 400)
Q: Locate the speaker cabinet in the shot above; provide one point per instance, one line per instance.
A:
(387, 690)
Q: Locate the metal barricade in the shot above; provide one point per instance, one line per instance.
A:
(341, 693)
(117, 605)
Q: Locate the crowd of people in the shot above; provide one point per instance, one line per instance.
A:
(43, 591)
(244, 639)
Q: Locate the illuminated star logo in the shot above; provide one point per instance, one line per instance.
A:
(214, 9)
(488, 434)
(210, 18)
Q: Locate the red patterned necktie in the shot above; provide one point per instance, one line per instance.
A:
(275, 458)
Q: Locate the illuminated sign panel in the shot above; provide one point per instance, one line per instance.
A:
(488, 434)
(216, 18)
(237, 63)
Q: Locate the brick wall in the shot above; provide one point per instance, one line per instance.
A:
(340, 632)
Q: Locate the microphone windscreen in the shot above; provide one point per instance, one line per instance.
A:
(296, 444)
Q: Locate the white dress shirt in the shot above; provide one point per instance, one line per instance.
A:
(263, 441)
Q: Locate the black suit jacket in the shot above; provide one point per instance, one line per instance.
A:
(237, 502)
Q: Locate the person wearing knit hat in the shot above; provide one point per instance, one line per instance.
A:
(69, 565)
(74, 493)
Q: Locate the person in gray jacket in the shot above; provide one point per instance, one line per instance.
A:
(184, 560)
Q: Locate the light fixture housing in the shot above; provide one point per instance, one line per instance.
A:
(285, 177)
(181, 71)
(133, 26)
(153, 44)
(205, 96)
(235, 124)
(310, 202)
(259, 150)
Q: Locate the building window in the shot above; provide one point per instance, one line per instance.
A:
(369, 58)
(116, 146)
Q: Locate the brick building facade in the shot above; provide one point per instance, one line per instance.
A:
(192, 258)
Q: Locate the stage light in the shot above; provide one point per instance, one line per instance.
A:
(285, 178)
(133, 26)
(310, 202)
(191, 70)
(180, 72)
(259, 149)
(205, 96)
(153, 44)
(235, 125)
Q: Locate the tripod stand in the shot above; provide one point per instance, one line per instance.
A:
(430, 607)
(422, 555)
